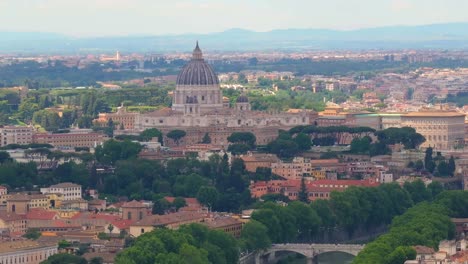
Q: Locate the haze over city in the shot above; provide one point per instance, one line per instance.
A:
(84, 18)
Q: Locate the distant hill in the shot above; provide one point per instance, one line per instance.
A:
(437, 36)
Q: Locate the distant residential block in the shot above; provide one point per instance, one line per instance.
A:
(70, 191)
(21, 135)
(70, 140)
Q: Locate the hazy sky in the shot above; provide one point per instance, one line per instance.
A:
(155, 17)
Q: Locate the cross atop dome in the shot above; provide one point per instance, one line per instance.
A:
(197, 53)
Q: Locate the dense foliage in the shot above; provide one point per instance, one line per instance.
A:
(356, 208)
(405, 135)
(190, 244)
(425, 224)
(65, 258)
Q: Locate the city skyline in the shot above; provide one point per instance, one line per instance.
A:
(91, 18)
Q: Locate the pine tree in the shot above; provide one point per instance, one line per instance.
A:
(302, 195)
(451, 166)
(428, 162)
(206, 139)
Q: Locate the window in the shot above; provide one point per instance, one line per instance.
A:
(129, 215)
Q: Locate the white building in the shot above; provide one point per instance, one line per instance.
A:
(26, 252)
(21, 135)
(3, 190)
(385, 177)
(70, 191)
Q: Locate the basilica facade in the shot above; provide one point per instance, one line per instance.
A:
(199, 108)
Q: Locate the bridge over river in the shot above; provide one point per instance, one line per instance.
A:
(310, 251)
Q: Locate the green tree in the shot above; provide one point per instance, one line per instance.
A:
(160, 206)
(5, 157)
(113, 150)
(429, 164)
(283, 148)
(207, 196)
(246, 138)
(238, 148)
(242, 79)
(63, 244)
(32, 233)
(65, 258)
(206, 139)
(254, 236)
(443, 169)
(303, 194)
(150, 133)
(303, 141)
(419, 165)
(110, 227)
(191, 254)
(401, 254)
(451, 166)
(179, 202)
(361, 145)
(176, 135)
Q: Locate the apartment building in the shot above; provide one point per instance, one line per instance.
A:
(70, 140)
(21, 135)
(26, 252)
(69, 191)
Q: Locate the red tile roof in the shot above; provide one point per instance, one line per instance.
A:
(41, 214)
(122, 224)
(11, 216)
(134, 204)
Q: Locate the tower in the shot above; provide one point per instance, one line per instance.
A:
(242, 103)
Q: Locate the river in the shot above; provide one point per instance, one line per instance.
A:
(334, 258)
(325, 258)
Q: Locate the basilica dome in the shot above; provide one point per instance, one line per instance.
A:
(197, 71)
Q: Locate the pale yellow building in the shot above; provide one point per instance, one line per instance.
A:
(300, 167)
(171, 221)
(442, 129)
(12, 223)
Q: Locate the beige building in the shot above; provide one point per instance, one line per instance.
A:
(443, 130)
(300, 167)
(3, 190)
(70, 140)
(171, 221)
(70, 191)
(12, 223)
(253, 161)
(228, 224)
(21, 135)
(134, 211)
(18, 204)
(121, 118)
(26, 252)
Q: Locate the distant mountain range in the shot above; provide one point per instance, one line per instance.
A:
(436, 36)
